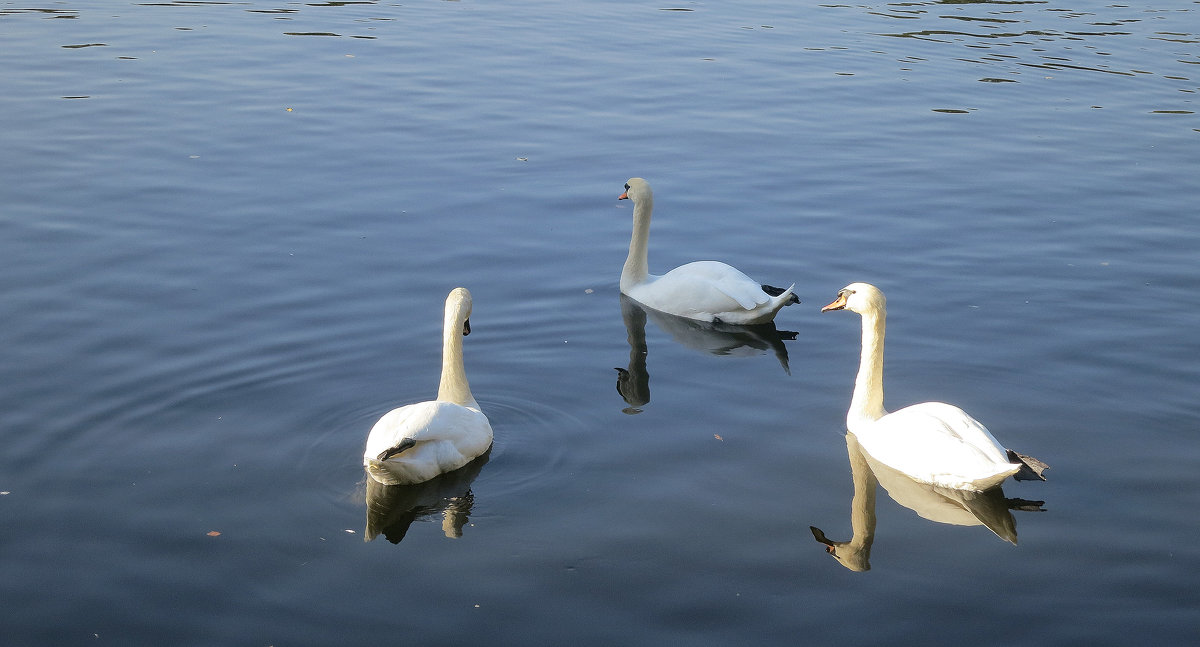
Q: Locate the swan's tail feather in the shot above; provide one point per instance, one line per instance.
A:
(1031, 468)
(775, 292)
(398, 449)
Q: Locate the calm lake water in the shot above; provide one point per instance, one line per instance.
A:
(227, 230)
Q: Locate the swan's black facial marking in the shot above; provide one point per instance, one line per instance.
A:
(466, 327)
(626, 186)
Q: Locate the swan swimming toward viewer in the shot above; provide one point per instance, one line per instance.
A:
(704, 290)
(417, 442)
(931, 442)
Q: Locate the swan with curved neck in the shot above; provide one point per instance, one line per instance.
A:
(417, 442)
(931, 442)
(703, 290)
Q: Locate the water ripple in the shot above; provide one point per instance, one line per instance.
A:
(531, 444)
(1074, 37)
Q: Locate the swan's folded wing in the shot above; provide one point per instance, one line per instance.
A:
(956, 423)
(938, 443)
(728, 281)
(426, 421)
(747, 293)
(451, 421)
(396, 425)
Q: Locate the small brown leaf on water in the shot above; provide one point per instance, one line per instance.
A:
(214, 533)
(718, 437)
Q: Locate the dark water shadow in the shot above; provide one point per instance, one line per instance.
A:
(633, 382)
(392, 509)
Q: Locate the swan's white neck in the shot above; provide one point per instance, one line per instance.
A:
(453, 386)
(867, 403)
(637, 267)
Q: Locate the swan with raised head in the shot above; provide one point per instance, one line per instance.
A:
(931, 442)
(704, 290)
(417, 442)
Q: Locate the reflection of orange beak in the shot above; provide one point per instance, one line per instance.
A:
(837, 304)
(624, 196)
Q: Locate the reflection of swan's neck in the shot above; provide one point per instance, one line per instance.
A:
(454, 386)
(862, 506)
(856, 553)
(867, 403)
(637, 267)
(634, 383)
(453, 522)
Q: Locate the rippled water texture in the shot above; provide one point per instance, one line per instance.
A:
(227, 230)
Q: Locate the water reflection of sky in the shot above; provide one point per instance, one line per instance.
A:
(1038, 35)
(209, 298)
(1005, 42)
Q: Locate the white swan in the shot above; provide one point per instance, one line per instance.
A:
(415, 443)
(703, 290)
(931, 442)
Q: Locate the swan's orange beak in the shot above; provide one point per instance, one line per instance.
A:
(624, 196)
(837, 304)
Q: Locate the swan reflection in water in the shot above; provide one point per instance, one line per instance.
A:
(633, 383)
(391, 509)
(989, 508)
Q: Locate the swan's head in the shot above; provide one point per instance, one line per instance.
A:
(862, 298)
(458, 308)
(638, 190)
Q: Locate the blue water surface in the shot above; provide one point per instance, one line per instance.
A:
(227, 230)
